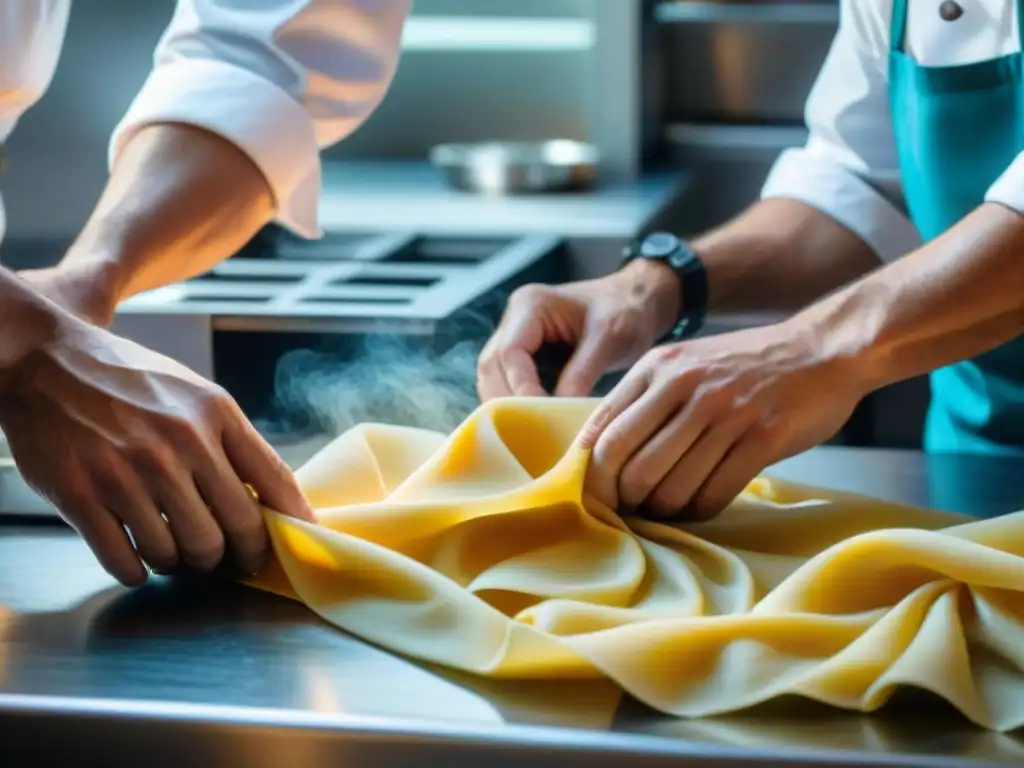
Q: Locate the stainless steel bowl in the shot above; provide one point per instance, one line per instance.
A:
(503, 168)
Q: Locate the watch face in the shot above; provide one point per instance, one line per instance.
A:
(659, 246)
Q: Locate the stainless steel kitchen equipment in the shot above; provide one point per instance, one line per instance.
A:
(503, 168)
(737, 76)
(402, 295)
(207, 674)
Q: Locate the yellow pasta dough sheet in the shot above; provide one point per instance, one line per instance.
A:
(479, 551)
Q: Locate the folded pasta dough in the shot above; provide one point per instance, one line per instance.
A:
(479, 551)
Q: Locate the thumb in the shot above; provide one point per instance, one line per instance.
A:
(593, 357)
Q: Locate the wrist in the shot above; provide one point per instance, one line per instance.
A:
(845, 332)
(654, 286)
(89, 286)
(30, 324)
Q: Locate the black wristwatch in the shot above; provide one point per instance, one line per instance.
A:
(688, 269)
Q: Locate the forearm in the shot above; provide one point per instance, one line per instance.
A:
(780, 255)
(179, 200)
(957, 297)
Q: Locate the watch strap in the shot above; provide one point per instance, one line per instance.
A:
(689, 271)
(694, 280)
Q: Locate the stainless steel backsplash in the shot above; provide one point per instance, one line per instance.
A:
(737, 76)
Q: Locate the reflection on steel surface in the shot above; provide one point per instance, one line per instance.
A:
(203, 671)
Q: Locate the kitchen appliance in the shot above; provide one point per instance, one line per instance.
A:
(500, 168)
(328, 304)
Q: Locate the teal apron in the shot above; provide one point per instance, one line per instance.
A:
(957, 129)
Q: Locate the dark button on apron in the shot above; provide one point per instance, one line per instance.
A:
(951, 10)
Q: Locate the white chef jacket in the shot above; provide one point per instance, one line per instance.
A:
(849, 169)
(280, 79)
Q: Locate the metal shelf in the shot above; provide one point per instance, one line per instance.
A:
(677, 11)
(725, 136)
(468, 34)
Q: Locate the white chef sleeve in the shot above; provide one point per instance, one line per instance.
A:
(280, 79)
(1008, 189)
(849, 167)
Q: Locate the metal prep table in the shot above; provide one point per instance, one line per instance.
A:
(198, 673)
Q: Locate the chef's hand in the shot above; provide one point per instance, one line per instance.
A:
(123, 440)
(609, 322)
(694, 422)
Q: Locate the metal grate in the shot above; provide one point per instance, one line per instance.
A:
(397, 277)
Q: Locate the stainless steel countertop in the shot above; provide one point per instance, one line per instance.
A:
(212, 673)
(403, 196)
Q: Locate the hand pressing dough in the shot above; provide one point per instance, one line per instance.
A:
(479, 551)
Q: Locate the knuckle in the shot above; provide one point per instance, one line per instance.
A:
(635, 483)
(663, 504)
(107, 473)
(183, 433)
(488, 370)
(204, 552)
(746, 410)
(277, 470)
(151, 457)
(662, 355)
(611, 447)
(249, 543)
(715, 400)
(487, 360)
(218, 406)
(247, 531)
(508, 356)
(502, 354)
(76, 495)
(664, 389)
(526, 295)
(73, 490)
(657, 366)
(161, 555)
(652, 356)
(765, 437)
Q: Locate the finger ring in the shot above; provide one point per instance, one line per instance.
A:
(252, 492)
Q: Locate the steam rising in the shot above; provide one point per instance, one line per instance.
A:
(388, 381)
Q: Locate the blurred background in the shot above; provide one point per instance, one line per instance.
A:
(687, 102)
(718, 83)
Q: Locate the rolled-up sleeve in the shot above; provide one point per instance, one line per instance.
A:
(849, 167)
(280, 79)
(1008, 189)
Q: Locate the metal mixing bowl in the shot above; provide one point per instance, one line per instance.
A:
(502, 168)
